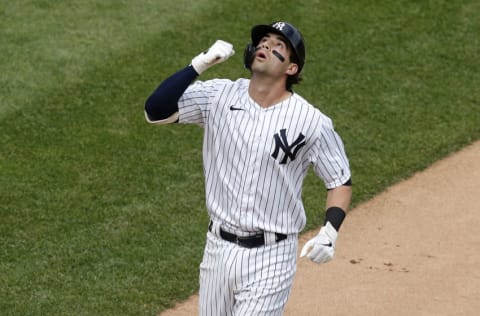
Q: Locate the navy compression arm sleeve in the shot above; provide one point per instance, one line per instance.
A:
(163, 102)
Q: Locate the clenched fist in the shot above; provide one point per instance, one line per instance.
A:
(219, 52)
(321, 248)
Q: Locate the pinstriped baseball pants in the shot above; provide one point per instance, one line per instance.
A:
(240, 281)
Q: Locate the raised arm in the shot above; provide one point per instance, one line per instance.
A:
(161, 106)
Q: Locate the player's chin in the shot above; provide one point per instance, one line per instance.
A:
(259, 65)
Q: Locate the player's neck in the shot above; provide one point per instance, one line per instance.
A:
(267, 93)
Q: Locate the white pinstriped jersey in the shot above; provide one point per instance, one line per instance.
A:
(255, 159)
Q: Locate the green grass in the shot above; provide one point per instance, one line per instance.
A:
(103, 214)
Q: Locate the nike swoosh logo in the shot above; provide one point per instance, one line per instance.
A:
(328, 245)
(232, 108)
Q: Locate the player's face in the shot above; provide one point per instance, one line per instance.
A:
(272, 55)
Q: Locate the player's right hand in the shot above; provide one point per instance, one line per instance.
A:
(219, 52)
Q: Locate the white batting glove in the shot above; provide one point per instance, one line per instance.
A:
(321, 248)
(219, 52)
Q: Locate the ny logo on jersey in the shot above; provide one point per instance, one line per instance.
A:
(279, 25)
(290, 151)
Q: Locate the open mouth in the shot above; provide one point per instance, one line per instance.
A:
(261, 55)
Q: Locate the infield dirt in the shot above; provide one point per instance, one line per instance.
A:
(412, 250)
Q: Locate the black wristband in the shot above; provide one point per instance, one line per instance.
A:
(335, 215)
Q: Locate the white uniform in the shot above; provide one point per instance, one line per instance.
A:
(255, 161)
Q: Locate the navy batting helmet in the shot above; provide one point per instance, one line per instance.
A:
(293, 36)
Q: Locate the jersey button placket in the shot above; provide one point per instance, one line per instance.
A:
(257, 150)
(253, 170)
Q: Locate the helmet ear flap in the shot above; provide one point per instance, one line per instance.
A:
(248, 55)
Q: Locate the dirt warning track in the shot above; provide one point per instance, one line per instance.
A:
(412, 250)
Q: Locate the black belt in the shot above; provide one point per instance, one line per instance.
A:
(254, 241)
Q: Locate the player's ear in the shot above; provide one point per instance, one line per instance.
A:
(292, 69)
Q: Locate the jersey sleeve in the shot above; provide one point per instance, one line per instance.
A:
(330, 161)
(195, 103)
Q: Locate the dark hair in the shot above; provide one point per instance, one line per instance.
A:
(296, 78)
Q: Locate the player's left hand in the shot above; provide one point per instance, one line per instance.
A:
(321, 248)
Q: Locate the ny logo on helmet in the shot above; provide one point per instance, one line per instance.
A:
(279, 26)
(290, 151)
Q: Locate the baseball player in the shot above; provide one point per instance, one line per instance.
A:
(260, 138)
